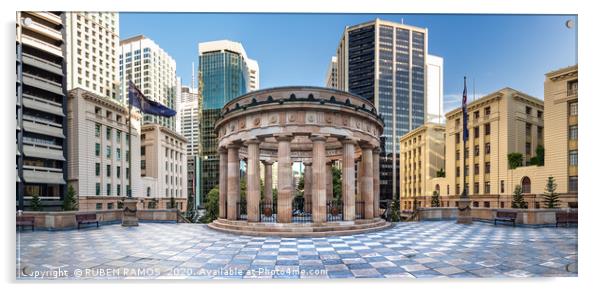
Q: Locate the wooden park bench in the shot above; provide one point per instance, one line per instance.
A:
(563, 217)
(25, 221)
(86, 219)
(505, 216)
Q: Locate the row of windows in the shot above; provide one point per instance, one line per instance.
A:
(109, 168)
(476, 132)
(476, 169)
(476, 151)
(108, 189)
(108, 152)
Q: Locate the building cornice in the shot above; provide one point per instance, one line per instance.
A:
(563, 73)
(151, 127)
(103, 101)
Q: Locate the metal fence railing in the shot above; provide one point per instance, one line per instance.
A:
(267, 212)
(241, 210)
(301, 211)
(359, 210)
(334, 211)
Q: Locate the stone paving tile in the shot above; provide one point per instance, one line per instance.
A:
(407, 250)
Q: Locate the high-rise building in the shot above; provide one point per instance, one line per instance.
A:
(92, 46)
(385, 62)
(99, 150)
(331, 74)
(153, 71)
(434, 90)
(41, 106)
(188, 126)
(225, 72)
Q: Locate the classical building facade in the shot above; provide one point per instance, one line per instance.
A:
(99, 150)
(385, 62)
(421, 158)
(153, 71)
(315, 126)
(163, 167)
(91, 47)
(225, 72)
(41, 107)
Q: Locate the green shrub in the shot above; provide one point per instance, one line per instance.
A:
(211, 206)
(551, 198)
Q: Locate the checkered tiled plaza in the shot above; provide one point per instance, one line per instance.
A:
(193, 251)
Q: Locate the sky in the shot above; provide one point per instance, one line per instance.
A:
(493, 51)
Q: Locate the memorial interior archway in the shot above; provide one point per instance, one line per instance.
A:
(311, 125)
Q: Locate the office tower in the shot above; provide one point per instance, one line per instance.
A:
(385, 62)
(92, 44)
(225, 72)
(434, 90)
(331, 74)
(153, 71)
(188, 116)
(41, 108)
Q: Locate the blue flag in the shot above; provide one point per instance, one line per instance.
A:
(147, 106)
(464, 113)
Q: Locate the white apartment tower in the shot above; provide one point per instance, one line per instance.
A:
(434, 90)
(189, 119)
(153, 71)
(253, 68)
(331, 74)
(92, 40)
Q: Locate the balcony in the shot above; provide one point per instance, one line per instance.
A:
(42, 104)
(33, 42)
(571, 92)
(45, 30)
(42, 64)
(43, 83)
(43, 175)
(51, 17)
(43, 127)
(44, 151)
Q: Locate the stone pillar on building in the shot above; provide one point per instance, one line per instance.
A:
(360, 175)
(233, 181)
(223, 182)
(253, 185)
(285, 175)
(348, 180)
(267, 187)
(367, 181)
(328, 177)
(318, 192)
(376, 180)
(307, 182)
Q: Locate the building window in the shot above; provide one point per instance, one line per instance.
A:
(457, 171)
(486, 204)
(573, 108)
(127, 155)
(476, 188)
(487, 129)
(476, 115)
(97, 169)
(487, 167)
(97, 130)
(476, 150)
(526, 185)
(148, 191)
(487, 187)
(539, 114)
(142, 164)
(143, 150)
(448, 190)
(528, 148)
(118, 132)
(573, 158)
(457, 138)
(108, 151)
(502, 186)
(475, 204)
(108, 133)
(466, 170)
(127, 173)
(118, 190)
(108, 189)
(457, 154)
(502, 205)
(118, 171)
(528, 110)
(98, 189)
(118, 152)
(476, 169)
(98, 206)
(108, 170)
(487, 148)
(572, 87)
(573, 184)
(97, 149)
(573, 132)
(487, 111)
(476, 132)
(109, 206)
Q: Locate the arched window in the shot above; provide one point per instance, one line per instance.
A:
(437, 188)
(148, 191)
(526, 185)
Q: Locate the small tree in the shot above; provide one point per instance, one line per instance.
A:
(211, 206)
(540, 155)
(70, 201)
(551, 198)
(337, 188)
(515, 160)
(518, 200)
(395, 216)
(435, 200)
(36, 204)
(172, 202)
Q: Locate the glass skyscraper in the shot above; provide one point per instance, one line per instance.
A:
(384, 62)
(225, 73)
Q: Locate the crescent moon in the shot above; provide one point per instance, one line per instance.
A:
(569, 23)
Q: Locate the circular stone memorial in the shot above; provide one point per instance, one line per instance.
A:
(311, 125)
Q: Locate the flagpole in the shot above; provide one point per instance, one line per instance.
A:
(464, 130)
(129, 174)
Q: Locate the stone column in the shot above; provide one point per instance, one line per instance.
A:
(233, 180)
(328, 177)
(307, 187)
(267, 187)
(360, 175)
(367, 181)
(376, 180)
(318, 192)
(348, 180)
(253, 192)
(223, 181)
(285, 184)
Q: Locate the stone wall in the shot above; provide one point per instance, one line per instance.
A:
(524, 216)
(66, 220)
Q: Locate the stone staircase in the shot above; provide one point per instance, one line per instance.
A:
(337, 228)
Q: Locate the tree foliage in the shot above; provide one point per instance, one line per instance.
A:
(515, 160)
(211, 206)
(337, 187)
(551, 198)
(518, 199)
(435, 202)
(36, 203)
(440, 173)
(70, 200)
(395, 209)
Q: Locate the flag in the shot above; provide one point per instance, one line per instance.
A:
(464, 114)
(147, 106)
